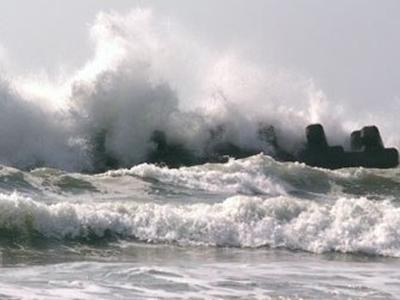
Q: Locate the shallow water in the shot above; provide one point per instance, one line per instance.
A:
(247, 229)
(139, 271)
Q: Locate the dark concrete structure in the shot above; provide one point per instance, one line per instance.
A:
(367, 150)
(170, 154)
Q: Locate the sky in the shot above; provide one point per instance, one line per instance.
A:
(350, 48)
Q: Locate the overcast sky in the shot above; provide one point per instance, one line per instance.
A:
(351, 48)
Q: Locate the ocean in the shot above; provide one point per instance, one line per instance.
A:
(89, 208)
(252, 228)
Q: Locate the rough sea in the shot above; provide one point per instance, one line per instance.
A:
(84, 215)
(248, 229)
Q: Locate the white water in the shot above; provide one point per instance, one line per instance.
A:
(251, 228)
(213, 231)
(144, 77)
(348, 225)
(205, 275)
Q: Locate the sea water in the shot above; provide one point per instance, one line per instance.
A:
(83, 216)
(246, 229)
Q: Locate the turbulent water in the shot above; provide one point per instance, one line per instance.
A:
(83, 215)
(250, 229)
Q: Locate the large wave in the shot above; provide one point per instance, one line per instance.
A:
(252, 202)
(145, 76)
(346, 225)
(258, 175)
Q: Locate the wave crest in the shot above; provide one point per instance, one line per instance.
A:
(347, 225)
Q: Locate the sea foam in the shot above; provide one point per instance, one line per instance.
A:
(347, 225)
(245, 176)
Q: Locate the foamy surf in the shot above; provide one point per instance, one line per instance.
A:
(346, 225)
(85, 215)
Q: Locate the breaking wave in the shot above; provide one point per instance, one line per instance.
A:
(262, 175)
(263, 203)
(259, 175)
(143, 78)
(346, 225)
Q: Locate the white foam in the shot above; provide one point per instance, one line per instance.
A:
(247, 176)
(345, 225)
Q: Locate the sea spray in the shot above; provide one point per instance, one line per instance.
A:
(143, 78)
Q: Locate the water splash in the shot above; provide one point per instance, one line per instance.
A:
(143, 78)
